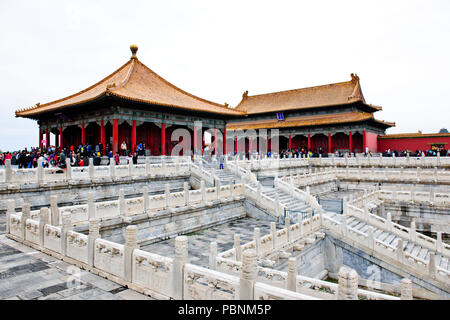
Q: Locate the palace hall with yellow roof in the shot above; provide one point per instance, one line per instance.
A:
(135, 105)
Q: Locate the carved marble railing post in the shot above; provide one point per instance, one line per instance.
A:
(130, 168)
(439, 247)
(345, 207)
(146, 199)
(406, 289)
(11, 209)
(54, 210)
(68, 170)
(91, 168)
(122, 205)
(291, 281)
(177, 165)
(40, 171)
(203, 190)
(432, 265)
(399, 251)
(180, 259)
(370, 238)
(213, 256)
(388, 222)
(291, 186)
(217, 183)
(231, 186)
(167, 195)
(94, 234)
(277, 204)
(366, 215)
(300, 224)
(435, 174)
(25, 215)
(43, 220)
(248, 275)
(344, 230)
(147, 166)
(288, 228)
(273, 231)
(91, 206)
(112, 168)
(8, 171)
(186, 193)
(130, 244)
(65, 227)
(347, 284)
(164, 167)
(257, 239)
(237, 248)
(412, 230)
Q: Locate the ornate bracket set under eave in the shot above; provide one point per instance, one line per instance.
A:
(124, 115)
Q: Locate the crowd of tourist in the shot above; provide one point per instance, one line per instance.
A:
(79, 156)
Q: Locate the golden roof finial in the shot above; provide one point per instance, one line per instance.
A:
(134, 49)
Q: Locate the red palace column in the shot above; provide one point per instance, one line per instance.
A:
(250, 150)
(309, 142)
(267, 145)
(330, 149)
(47, 138)
(195, 140)
(61, 137)
(102, 136)
(40, 138)
(364, 142)
(235, 145)
(350, 141)
(215, 141)
(115, 134)
(83, 134)
(224, 142)
(290, 142)
(163, 139)
(133, 137)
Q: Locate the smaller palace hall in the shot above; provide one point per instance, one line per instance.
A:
(135, 105)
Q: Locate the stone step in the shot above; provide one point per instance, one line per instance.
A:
(383, 236)
(405, 243)
(353, 223)
(365, 228)
(423, 253)
(416, 250)
(390, 239)
(359, 225)
(444, 263)
(409, 247)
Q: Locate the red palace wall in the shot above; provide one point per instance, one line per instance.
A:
(412, 144)
(372, 141)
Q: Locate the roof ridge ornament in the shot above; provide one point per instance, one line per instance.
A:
(134, 48)
(355, 77)
(356, 94)
(245, 95)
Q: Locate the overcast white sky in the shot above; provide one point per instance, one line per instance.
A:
(219, 49)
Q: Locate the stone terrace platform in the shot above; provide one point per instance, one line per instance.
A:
(27, 274)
